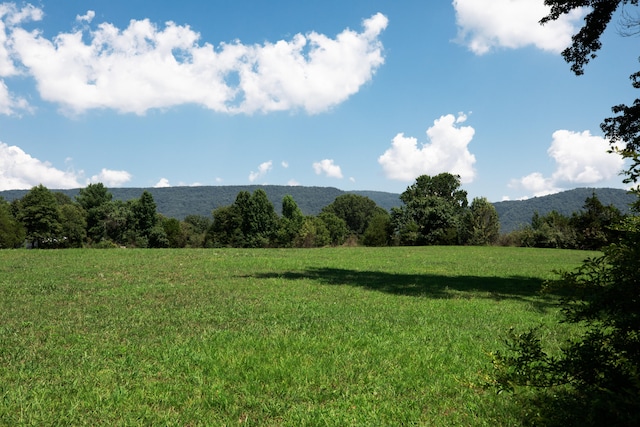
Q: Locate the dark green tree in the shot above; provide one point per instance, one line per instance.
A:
(433, 207)
(259, 220)
(40, 217)
(290, 222)
(195, 229)
(480, 223)
(93, 199)
(11, 231)
(595, 380)
(379, 230)
(355, 210)
(174, 232)
(595, 225)
(144, 214)
(225, 230)
(336, 227)
(73, 225)
(552, 230)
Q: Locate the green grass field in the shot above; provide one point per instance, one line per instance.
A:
(336, 336)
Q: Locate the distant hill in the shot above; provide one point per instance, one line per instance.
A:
(516, 213)
(178, 202)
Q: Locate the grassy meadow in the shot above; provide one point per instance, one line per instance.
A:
(334, 336)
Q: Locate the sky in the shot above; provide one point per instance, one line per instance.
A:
(357, 95)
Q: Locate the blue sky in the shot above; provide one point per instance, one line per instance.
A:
(358, 95)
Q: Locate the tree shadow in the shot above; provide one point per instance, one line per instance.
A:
(522, 288)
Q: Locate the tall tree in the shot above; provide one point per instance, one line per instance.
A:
(40, 216)
(144, 214)
(260, 221)
(480, 223)
(432, 210)
(355, 210)
(93, 199)
(595, 377)
(11, 231)
(595, 225)
(290, 222)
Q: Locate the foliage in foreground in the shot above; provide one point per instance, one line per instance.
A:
(596, 375)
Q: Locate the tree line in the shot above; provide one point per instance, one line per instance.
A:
(435, 211)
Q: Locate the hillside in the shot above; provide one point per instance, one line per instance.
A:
(516, 213)
(178, 202)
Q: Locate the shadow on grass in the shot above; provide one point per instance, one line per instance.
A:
(565, 408)
(425, 285)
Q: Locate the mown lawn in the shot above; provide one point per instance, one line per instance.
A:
(335, 336)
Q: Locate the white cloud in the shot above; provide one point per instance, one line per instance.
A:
(447, 151)
(581, 158)
(144, 66)
(87, 17)
(484, 25)
(164, 182)
(10, 16)
(284, 164)
(18, 170)
(263, 169)
(111, 178)
(293, 183)
(327, 167)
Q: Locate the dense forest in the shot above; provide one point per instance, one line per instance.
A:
(180, 202)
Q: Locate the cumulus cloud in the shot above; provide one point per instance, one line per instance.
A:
(328, 168)
(581, 158)
(164, 182)
(263, 169)
(11, 16)
(18, 171)
(484, 25)
(111, 178)
(447, 151)
(87, 17)
(146, 66)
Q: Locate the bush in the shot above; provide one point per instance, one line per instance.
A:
(599, 372)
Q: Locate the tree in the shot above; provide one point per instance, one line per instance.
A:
(195, 228)
(623, 128)
(595, 226)
(480, 223)
(40, 217)
(432, 210)
(290, 222)
(379, 230)
(259, 220)
(144, 214)
(93, 199)
(595, 377)
(225, 231)
(73, 225)
(11, 231)
(174, 232)
(355, 210)
(336, 227)
(313, 233)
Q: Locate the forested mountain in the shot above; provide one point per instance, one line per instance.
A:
(178, 202)
(516, 213)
